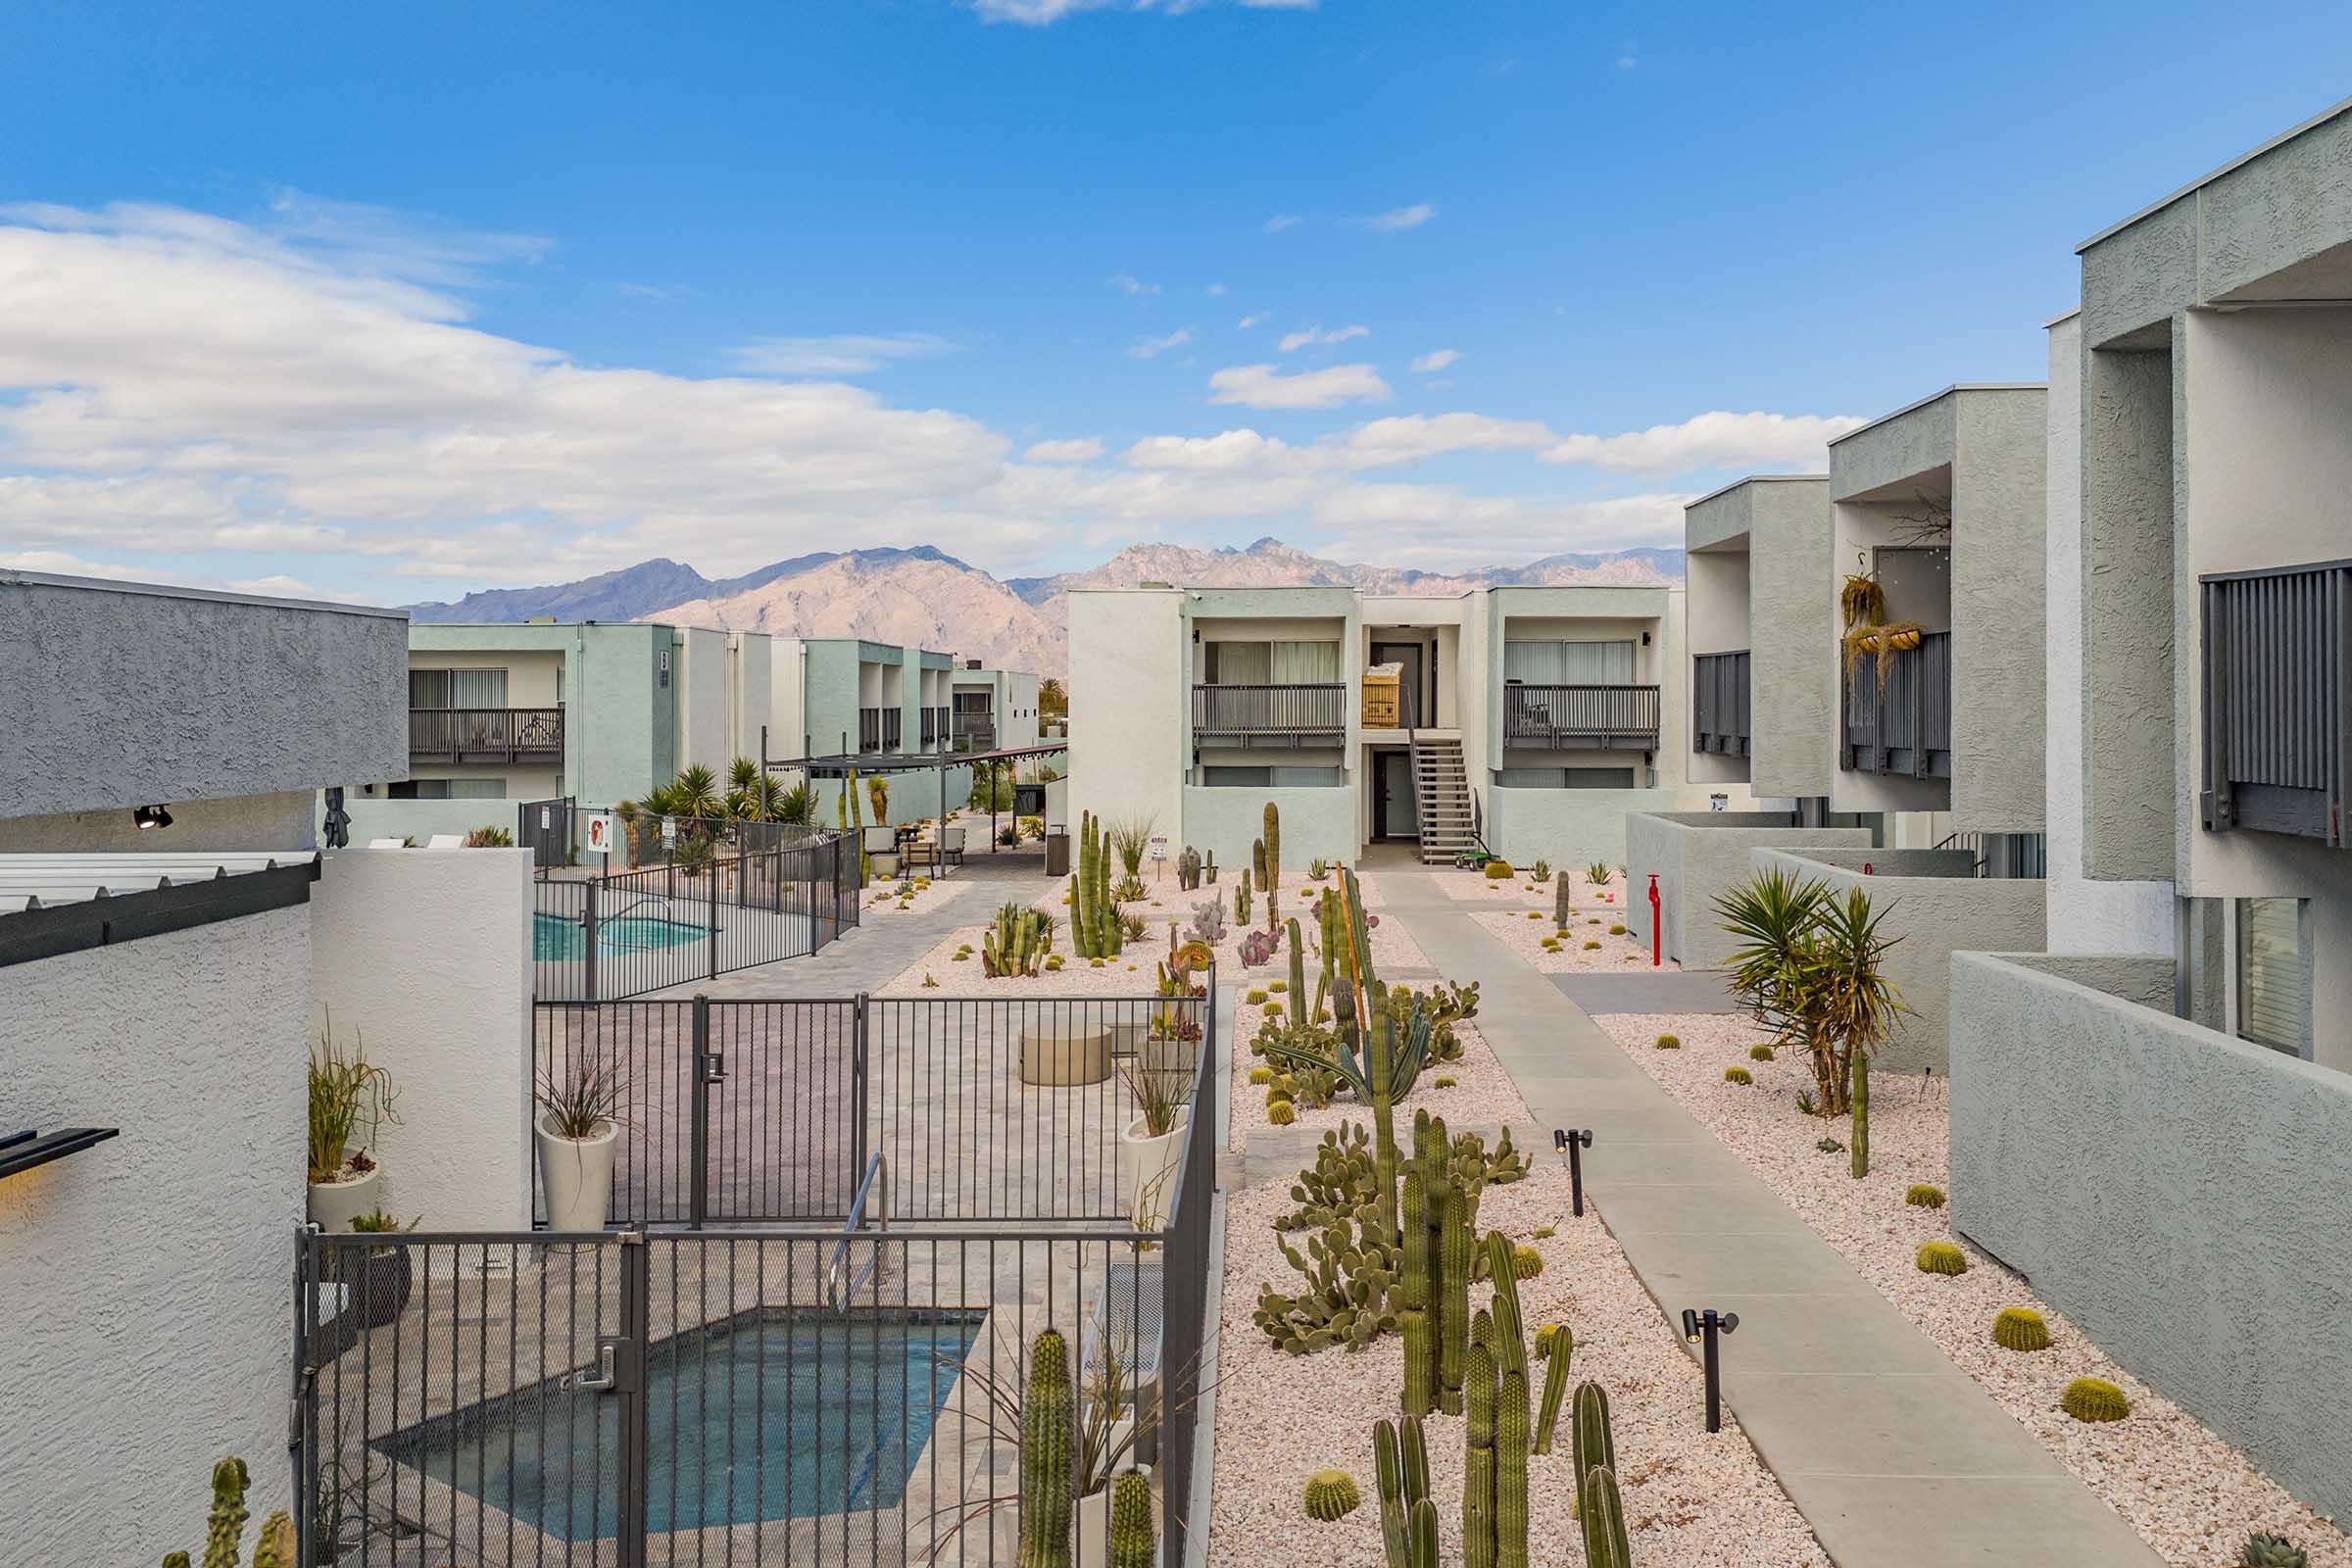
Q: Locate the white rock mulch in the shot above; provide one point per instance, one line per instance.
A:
(2186, 1492)
(1689, 1498)
(1481, 1094)
(1476, 887)
(1616, 954)
(882, 899)
(1131, 975)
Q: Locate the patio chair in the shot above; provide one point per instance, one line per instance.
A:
(446, 841)
(950, 845)
(882, 850)
(386, 844)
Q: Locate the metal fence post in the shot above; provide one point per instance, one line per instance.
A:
(861, 1064)
(629, 1385)
(698, 1129)
(588, 932)
(711, 930)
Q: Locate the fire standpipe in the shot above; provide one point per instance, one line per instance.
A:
(1657, 933)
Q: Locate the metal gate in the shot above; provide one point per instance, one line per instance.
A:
(544, 827)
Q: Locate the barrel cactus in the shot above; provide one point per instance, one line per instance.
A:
(1923, 1195)
(1048, 1442)
(1282, 1113)
(2272, 1551)
(1759, 1053)
(1665, 1042)
(1526, 1262)
(1941, 1257)
(2094, 1399)
(1737, 1075)
(2020, 1328)
(1331, 1494)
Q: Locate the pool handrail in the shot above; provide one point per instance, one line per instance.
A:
(876, 1170)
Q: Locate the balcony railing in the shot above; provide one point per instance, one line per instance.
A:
(1575, 717)
(1720, 716)
(974, 731)
(880, 729)
(2277, 701)
(1271, 715)
(485, 734)
(1901, 729)
(935, 729)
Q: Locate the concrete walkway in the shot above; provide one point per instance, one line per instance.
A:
(1894, 1455)
(1649, 991)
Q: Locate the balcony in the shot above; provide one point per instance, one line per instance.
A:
(974, 730)
(485, 734)
(880, 730)
(1901, 727)
(1556, 718)
(935, 729)
(1313, 714)
(1720, 715)
(2277, 684)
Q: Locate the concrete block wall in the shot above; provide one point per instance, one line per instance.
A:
(2208, 1257)
(1697, 858)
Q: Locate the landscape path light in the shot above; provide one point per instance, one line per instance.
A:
(1701, 1329)
(1572, 1145)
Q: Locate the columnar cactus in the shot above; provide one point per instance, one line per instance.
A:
(1401, 1465)
(224, 1525)
(1241, 901)
(1454, 1322)
(1858, 1142)
(1094, 916)
(1131, 1540)
(1015, 942)
(1273, 843)
(1413, 1298)
(1591, 1444)
(274, 1547)
(1298, 996)
(1257, 863)
(1049, 1441)
(1512, 1432)
(1478, 1453)
(1602, 1511)
(1558, 1346)
(1564, 900)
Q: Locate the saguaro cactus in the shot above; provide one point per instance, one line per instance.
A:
(1049, 1441)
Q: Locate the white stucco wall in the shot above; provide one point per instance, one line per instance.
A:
(145, 1326)
(1129, 706)
(787, 697)
(426, 957)
(280, 820)
(2085, 916)
(701, 666)
(749, 676)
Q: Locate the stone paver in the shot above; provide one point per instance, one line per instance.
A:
(1894, 1455)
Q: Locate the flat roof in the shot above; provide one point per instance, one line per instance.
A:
(48, 881)
(1753, 478)
(2199, 183)
(1938, 397)
(166, 590)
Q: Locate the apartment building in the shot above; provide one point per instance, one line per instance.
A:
(1529, 718)
(992, 708)
(2152, 1111)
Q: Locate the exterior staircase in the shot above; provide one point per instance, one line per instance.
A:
(1442, 806)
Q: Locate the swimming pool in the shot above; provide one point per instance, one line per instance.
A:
(552, 937)
(774, 1415)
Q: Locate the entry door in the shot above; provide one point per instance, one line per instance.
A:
(1408, 680)
(1398, 818)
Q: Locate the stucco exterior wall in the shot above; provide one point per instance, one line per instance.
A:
(205, 695)
(701, 673)
(2085, 915)
(427, 959)
(1567, 827)
(621, 710)
(1316, 824)
(1697, 858)
(143, 1282)
(1999, 503)
(1131, 709)
(750, 696)
(1936, 907)
(277, 822)
(2181, 1197)
(1793, 636)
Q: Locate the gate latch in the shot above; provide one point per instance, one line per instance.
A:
(715, 1067)
(606, 1375)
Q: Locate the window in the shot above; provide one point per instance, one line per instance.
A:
(447, 789)
(1565, 778)
(1563, 663)
(1272, 663)
(2273, 975)
(1221, 778)
(457, 688)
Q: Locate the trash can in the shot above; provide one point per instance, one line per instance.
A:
(1058, 850)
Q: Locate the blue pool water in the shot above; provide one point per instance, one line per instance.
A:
(772, 1415)
(555, 937)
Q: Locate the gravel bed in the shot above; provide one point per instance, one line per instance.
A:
(1476, 887)
(882, 901)
(1616, 954)
(2187, 1492)
(1689, 1498)
(1481, 1094)
(1131, 975)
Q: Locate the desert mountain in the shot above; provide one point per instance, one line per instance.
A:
(926, 597)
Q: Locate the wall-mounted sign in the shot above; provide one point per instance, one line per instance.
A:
(664, 669)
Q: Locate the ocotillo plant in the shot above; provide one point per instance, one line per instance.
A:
(1048, 1442)
(1273, 843)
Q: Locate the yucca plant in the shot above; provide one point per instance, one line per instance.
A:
(1811, 967)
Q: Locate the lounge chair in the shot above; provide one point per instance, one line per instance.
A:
(446, 841)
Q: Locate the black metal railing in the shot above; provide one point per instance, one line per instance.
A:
(1556, 718)
(740, 897)
(879, 729)
(1902, 726)
(1720, 715)
(821, 1393)
(1317, 708)
(935, 726)
(485, 734)
(975, 733)
(2277, 689)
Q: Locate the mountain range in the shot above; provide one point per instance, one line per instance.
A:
(925, 597)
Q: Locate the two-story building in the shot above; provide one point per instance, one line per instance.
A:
(992, 708)
(1529, 719)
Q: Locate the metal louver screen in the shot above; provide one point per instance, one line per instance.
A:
(2277, 667)
(2273, 975)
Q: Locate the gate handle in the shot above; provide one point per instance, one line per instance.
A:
(608, 1354)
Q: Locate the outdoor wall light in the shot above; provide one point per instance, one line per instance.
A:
(1702, 1329)
(151, 817)
(1572, 1146)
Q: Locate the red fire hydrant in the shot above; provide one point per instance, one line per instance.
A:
(1657, 933)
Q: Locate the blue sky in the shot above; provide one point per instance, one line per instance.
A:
(393, 302)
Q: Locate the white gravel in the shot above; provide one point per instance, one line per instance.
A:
(1689, 1498)
(2187, 1492)
(1616, 954)
(1481, 1095)
(1131, 975)
(882, 901)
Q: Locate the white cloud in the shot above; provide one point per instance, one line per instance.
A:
(1430, 364)
(1626, 62)
(1281, 221)
(1128, 282)
(1217, 289)
(844, 354)
(1081, 451)
(1316, 336)
(1389, 222)
(1716, 440)
(1264, 386)
(1255, 319)
(1150, 348)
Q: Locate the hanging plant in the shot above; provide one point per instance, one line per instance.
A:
(1862, 601)
(1860, 643)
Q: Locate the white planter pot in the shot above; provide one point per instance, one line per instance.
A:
(1094, 1526)
(575, 1177)
(1152, 1167)
(335, 1204)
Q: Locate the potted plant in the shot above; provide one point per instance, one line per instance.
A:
(1154, 1140)
(351, 1101)
(577, 1134)
(379, 1277)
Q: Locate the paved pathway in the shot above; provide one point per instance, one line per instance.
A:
(1894, 1455)
(1664, 991)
